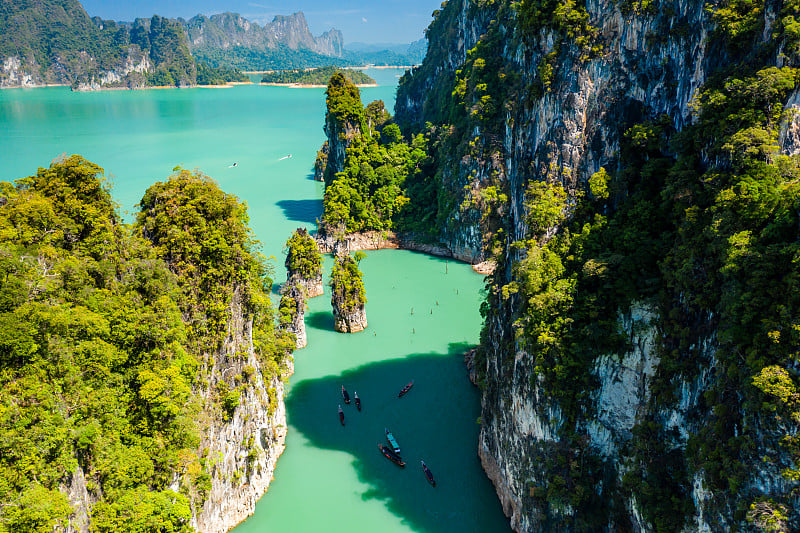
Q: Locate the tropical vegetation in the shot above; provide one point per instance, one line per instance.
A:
(107, 334)
(316, 76)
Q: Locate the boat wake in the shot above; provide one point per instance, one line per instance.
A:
(285, 157)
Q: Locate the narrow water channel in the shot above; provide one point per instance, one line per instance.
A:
(423, 314)
(331, 478)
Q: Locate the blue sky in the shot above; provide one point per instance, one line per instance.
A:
(384, 21)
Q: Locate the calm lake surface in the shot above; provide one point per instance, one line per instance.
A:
(422, 311)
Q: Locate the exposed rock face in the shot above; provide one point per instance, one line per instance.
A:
(389, 240)
(81, 501)
(312, 287)
(304, 264)
(131, 74)
(321, 162)
(340, 135)
(57, 43)
(349, 321)
(565, 135)
(226, 30)
(19, 73)
(348, 297)
(293, 302)
(245, 449)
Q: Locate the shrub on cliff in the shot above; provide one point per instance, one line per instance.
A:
(347, 288)
(303, 258)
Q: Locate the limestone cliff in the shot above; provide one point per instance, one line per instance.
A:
(226, 31)
(244, 449)
(56, 42)
(241, 448)
(348, 296)
(292, 311)
(638, 406)
(304, 263)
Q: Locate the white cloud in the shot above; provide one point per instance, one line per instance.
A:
(364, 20)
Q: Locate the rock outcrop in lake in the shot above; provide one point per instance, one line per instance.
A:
(348, 295)
(304, 263)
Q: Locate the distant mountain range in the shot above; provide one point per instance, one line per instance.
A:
(228, 39)
(56, 42)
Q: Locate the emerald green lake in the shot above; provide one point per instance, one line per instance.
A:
(422, 311)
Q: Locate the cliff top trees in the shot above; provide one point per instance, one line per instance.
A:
(303, 257)
(344, 100)
(101, 339)
(346, 284)
(202, 233)
(365, 191)
(348, 296)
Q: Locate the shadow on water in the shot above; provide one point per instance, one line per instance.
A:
(435, 421)
(310, 176)
(301, 210)
(322, 320)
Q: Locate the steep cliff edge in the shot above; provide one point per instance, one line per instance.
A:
(229, 30)
(348, 296)
(634, 373)
(142, 373)
(56, 42)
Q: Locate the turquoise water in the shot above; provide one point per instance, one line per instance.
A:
(422, 311)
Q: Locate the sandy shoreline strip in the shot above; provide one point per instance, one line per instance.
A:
(36, 86)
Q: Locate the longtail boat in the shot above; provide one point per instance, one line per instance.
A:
(389, 454)
(428, 473)
(406, 389)
(341, 414)
(392, 441)
(345, 395)
(357, 400)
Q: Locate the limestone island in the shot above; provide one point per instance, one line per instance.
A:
(315, 77)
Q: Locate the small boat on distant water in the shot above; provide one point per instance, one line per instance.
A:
(392, 441)
(341, 414)
(357, 400)
(428, 473)
(406, 389)
(389, 454)
(345, 395)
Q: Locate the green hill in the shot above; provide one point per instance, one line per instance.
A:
(316, 76)
(55, 41)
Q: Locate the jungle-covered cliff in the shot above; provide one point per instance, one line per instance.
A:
(56, 42)
(631, 166)
(141, 373)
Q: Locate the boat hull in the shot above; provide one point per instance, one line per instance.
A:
(393, 457)
(405, 389)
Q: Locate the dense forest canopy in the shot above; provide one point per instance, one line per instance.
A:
(105, 331)
(368, 193)
(699, 225)
(316, 76)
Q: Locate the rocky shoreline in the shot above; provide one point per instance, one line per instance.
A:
(389, 240)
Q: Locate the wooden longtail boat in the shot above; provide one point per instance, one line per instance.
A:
(345, 395)
(392, 441)
(406, 389)
(389, 454)
(428, 473)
